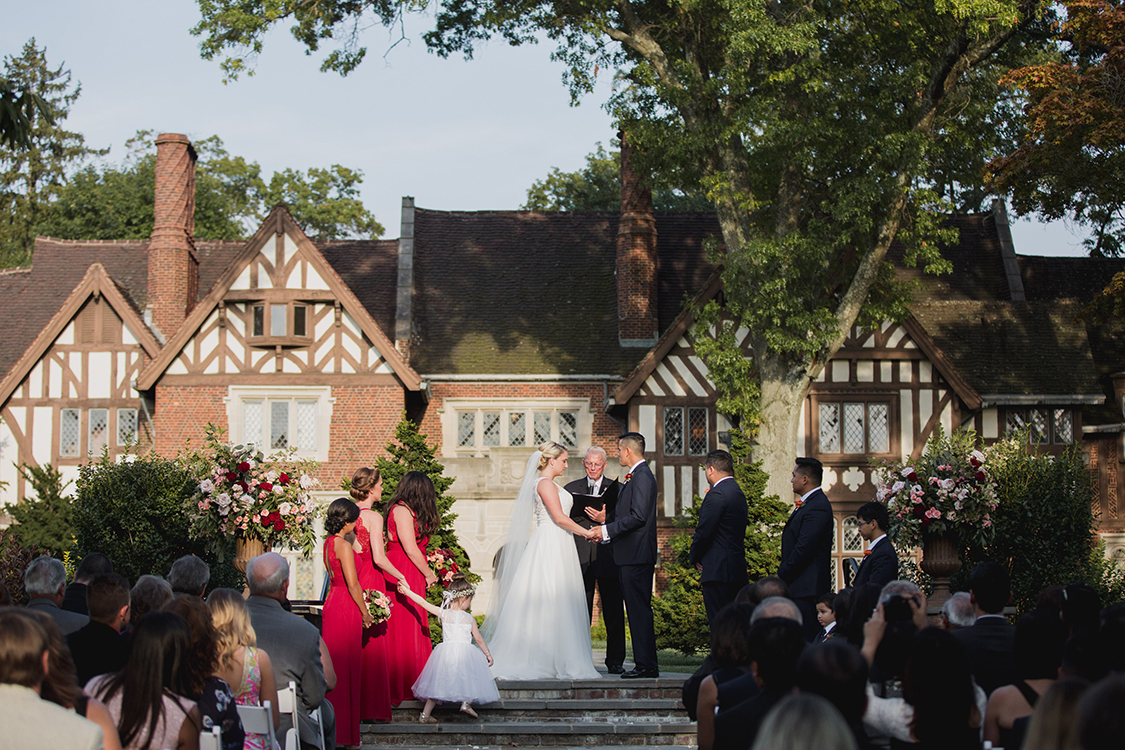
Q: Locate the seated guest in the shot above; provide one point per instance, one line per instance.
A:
(737, 689)
(804, 722)
(776, 644)
(730, 647)
(211, 694)
(1080, 609)
(45, 584)
(26, 721)
(149, 594)
(939, 687)
(147, 698)
(826, 616)
(1052, 725)
(836, 670)
(189, 575)
(770, 586)
(888, 635)
(957, 612)
(1039, 645)
(1101, 722)
(294, 645)
(93, 565)
(98, 647)
(60, 686)
(777, 606)
(864, 600)
(246, 668)
(991, 641)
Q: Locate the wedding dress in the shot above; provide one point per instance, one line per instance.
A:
(538, 626)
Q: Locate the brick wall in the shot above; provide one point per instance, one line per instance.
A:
(636, 255)
(172, 266)
(182, 412)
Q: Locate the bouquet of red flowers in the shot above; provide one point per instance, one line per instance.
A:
(441, 560)
(378, 604)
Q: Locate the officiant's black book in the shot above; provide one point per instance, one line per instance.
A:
(581, 502)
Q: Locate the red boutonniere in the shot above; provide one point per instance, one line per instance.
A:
(797, 504)
(866, 552)
(628, 476)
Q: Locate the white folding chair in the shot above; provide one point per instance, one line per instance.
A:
(287, 704)
(212, 740)
(258, 720)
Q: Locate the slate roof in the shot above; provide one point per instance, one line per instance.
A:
(370, 269)
(978, 267)
(522, 292)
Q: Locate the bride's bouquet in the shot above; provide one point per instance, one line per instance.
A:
(378, 604)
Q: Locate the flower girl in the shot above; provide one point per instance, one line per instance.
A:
(455, 670)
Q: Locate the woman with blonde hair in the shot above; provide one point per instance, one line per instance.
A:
(537, 620)
(804, 722)
(246, 668)
(371, 553)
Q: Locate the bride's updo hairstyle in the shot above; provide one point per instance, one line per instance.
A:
(549, 449)
(363, 483)
(341, 512)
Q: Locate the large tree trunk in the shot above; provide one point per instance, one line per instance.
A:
(784, 387)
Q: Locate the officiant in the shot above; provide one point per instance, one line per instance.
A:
(598, 494)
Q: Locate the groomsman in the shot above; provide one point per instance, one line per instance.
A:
(806, 543)
(633, 533)
(598, 567)
(880, 563)
(718, 547)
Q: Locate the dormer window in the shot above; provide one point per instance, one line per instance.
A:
(280, 322)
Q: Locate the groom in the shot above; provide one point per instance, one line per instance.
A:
(634, 550)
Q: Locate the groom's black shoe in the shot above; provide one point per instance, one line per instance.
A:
(633, 674)
(615, 669)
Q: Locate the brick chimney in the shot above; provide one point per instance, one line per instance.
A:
(173, 267)
(636, 258)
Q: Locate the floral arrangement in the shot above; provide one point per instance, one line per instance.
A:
(948, 491)
(443, 564)
(245, 495)
(378, 604)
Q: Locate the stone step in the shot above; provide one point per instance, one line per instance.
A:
(561, 709)
(528, 734)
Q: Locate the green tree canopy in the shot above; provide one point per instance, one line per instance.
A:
(821, 132)
(597, 187)
(34, 168)
(231, 197)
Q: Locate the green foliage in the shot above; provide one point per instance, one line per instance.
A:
(680, 617)
(1044, 523)
(17, 108)
(15, 556)
(133, 513)
(597, 187)
(32, 172)
(231, 197)
(45, 521)
(411, 452)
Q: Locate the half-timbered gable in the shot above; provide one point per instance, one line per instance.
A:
(71, 395)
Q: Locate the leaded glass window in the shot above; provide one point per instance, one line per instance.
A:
(542, 423)
(568, 429)
(829, 428)
(697, 431)
(491, 427)
(878, 428)
(853, 542)
(517, 428)
(1016, 421)
(1064, 427)
(673, 431)
(279, 425)
(70, 421)
(126, 426)
(98, 431)
(306, 425)
(466, 430)
(855, 428)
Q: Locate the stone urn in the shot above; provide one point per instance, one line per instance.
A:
(940, 562)
(246, 550)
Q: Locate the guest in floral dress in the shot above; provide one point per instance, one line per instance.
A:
(244, 666)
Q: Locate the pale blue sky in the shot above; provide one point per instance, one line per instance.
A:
(456, 135)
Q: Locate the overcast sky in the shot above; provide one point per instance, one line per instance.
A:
(456, 135)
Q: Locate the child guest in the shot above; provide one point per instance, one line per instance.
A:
(455, 670)
(826, 616)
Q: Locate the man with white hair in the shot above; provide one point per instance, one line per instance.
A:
(957, 612)
(295, 647)
(45, 584)
(777, 606)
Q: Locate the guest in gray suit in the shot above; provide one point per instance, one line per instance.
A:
(295, 648)
(45, 583)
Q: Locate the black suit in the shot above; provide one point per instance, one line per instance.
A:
(990, 644)
(97, 648)
(719, 544)
(633, 534)
(880, 567)
(598, 568)
(736, 728)
(806, 556)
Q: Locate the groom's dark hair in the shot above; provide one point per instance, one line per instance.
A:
(635, 440)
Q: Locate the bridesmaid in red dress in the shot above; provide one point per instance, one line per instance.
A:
(370, 552)
(345, 616)
(412, 517)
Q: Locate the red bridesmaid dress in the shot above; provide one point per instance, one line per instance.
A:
(375, 684)
(408, 630)
(341, 629)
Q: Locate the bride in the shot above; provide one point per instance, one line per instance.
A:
(537, 625)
